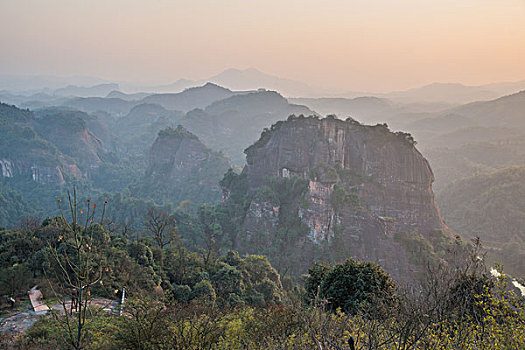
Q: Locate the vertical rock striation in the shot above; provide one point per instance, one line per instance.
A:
(182, 168)
(365, 184)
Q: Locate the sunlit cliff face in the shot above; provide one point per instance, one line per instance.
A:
(364, 45)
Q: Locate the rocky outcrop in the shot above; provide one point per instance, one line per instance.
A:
(45, 175)
(69, 133)
(7, 168)
(182, 168)
(40, 147)
(365, 184)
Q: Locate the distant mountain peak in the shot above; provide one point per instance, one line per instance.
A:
(210, 85)
(253, 79)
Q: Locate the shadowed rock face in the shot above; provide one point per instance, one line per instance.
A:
(182, 168)
(365, 184)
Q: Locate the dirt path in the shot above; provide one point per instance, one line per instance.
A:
(19, 322)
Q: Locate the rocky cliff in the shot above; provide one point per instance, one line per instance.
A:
(70, 134)
(182, 168)
(367, 192)
(45, 175)
(24, 155)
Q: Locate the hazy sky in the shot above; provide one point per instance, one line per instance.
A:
(356, 44)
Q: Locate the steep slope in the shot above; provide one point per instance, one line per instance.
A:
(24, 155)
(355, 190)
(70, 134)
(491, 206)
(454, 164)
(94, 124)
(182, 168)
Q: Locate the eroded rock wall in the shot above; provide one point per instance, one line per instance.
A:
(45, 175)
(182, 168)
(365, 183)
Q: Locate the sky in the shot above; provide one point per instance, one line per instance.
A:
(360, 45)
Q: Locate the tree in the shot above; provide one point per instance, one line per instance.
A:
(210, 232)
(77, 268)
(161, 225)
(354, 286)
(14, 280)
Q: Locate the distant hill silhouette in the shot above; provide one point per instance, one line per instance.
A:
(196, 97)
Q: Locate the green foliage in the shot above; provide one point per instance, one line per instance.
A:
(48, 333)
(15, 280)
(13, 207)
(116, 174)
(325, 173)
(471, 292)
(231, 213)
(354, 286)
(204, 290)
(341, 197)
(229, 280)
(491, 206)
(180, 131)
(237, 302)
(285, 244)
(21, 142)
(166, 183)
(154, 324)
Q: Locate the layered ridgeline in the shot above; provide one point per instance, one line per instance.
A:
(224, 120)
(232, 124)
(329, 189)
(181, 168)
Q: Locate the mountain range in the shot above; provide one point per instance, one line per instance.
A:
(146, 149)
(252, 79)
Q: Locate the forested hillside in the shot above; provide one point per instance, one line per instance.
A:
(491, 206)
(259, 225)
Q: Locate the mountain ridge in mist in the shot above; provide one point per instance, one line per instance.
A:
(253, 79)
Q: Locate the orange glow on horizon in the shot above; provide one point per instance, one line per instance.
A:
(376, 45)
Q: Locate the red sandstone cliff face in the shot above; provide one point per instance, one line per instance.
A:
(365, 184)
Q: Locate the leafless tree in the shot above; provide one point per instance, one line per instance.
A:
(74, 254)
(161, 226)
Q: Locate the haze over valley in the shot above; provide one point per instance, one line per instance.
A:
(262, 176)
